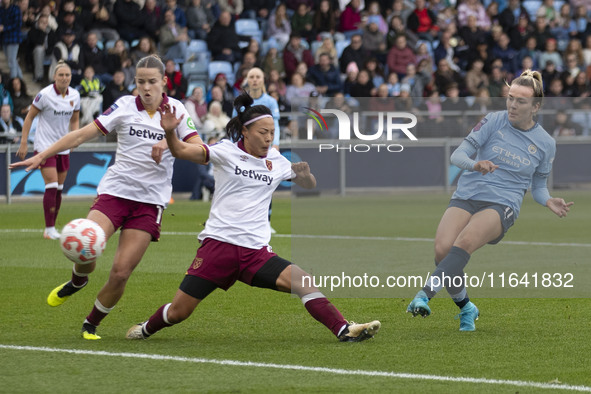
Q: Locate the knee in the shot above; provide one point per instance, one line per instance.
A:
(119, 277)
(441, 250)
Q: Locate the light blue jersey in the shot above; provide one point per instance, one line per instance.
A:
(522, 156)
(270, 103)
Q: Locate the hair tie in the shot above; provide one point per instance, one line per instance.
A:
(242, 109)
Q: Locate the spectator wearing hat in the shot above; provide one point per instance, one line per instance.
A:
(325, 76)
(70, 52)
(352, 72)
(294, 53)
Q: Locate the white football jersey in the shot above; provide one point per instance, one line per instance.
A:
(135, 175)
(55, 112)
(244, 186)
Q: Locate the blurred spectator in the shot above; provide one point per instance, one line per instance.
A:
(422, 54)
(548, 74)
(374, 15)
(10, 126)
(423, 22)
(144, 48)
(279, 26)
(445, 76)
(350, 22)
(398, 28)
(258, 9)
(476, 79)
(580, 90)
(327, 47)
(200, 19)
(95, 16)
(579, 22)
(221, 81)
(118, 59)
(374, 41)
(527, 63)
(20, 98)
(562, 29)
(562, 126)
(70, 52)
(96, 57)
(279, 83)
(453, 124)
(69, 22)
(325, 76)
(350, 78)
(393, 85)
(129, 19)
(324, 18)
(40, 41)
(473, 8)
(91, 98)
(496, 82)
(196, 105)
(255, 48)
(401, 9)
(542, 32)
(354, 52)
(217, 94)
(302, 22)
(179, 14)
(298, 91)
(574, 47)
(151, 15)
(233, 7)
(509, 17)
(273, 61)
(5, 97)
(173, 37)
(11, 21)
(508, 55)
(364, 86)
(530, 50)
(222, 40)
(115, 89)
(399, 56)
(375, 70)
(294, 53)
(51, 21)
(215, 121)
(176, 83)
(381, 101)
(471, 33)
(492, 11)
(445, 50)
(431, 123)
(550, 53)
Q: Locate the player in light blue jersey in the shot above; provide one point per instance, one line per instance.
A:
(513, 153)
(255, 79)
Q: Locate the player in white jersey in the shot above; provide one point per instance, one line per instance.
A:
(135, 189)
(58, 108)
(235, 242)
(512, 152)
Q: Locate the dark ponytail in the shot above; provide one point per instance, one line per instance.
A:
(246, 111)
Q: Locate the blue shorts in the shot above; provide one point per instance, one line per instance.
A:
(473, 206)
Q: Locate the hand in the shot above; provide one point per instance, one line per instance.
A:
(31, 163)
(485, 166)
(302, 169)
(157, 151)
(168, 119)
(559, 206)
(22, 150)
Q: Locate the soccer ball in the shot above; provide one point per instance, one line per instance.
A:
(83, 241)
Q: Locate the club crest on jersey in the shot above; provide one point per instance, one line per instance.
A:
(197, 263)
(38, 97)
(532, 149)
(110, 109)
(269, 164)
(71, 103)
(480, 124)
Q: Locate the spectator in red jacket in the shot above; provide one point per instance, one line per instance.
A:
(351, 22)
(176, 83)
(294, 53)
(399, 56)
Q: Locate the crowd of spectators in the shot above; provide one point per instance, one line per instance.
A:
(437, 52)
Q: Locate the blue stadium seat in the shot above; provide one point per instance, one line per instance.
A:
(193, 85)
(196, 69)
(248, 27)
(341, 45)
(216, 67)
(197, 49)
(532, 7)
(314, 46)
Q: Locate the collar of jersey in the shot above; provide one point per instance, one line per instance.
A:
(140, 105)
(241, 146)
(58, 92)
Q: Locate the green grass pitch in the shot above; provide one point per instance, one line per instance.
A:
(540, 340)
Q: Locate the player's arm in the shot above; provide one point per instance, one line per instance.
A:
(75, 121)
(161, 146)
(540, 193)
(69, 141)
(461, 158)
(23, 148)
(195, 152)
(304, 178)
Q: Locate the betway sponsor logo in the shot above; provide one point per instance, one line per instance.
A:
(253, 175)
(62, 113)
(510, 158)
(145, 133)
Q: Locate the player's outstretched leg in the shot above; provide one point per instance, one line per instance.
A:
(468, 315)
(419, 305)
(60, 294)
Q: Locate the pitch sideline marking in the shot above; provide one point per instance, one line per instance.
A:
(346, 237)
(295, 367)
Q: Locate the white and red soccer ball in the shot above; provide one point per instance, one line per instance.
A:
(83, 241)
